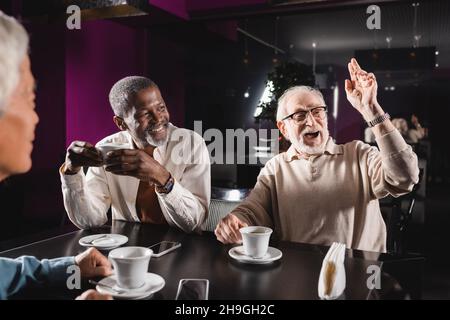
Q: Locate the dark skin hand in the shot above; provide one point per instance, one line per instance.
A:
(136, 163)
(82, 154)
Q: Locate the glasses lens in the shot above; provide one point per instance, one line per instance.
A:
(319, 113)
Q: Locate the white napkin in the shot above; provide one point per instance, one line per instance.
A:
(332, 275)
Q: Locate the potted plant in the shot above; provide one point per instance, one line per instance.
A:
(284, 76)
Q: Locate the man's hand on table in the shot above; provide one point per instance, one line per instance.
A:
(227, 231)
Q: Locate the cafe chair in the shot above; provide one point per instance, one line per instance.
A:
(398, 221)
(223, 201)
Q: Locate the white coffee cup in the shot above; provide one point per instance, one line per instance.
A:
(130, 265)
(107, 147)
(255, 240)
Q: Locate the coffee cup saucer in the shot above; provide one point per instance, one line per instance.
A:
(238, 254)
(153, 283)
(103, 241)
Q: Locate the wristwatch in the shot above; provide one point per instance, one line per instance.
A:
(167, 187)
(378, 120)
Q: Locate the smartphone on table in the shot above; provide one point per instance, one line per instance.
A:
(193, 289)
(163, 247)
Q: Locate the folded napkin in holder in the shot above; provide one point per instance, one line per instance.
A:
(332, 275)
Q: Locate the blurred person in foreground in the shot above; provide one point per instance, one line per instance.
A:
(18, 120)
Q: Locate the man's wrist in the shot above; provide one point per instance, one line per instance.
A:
(377, 120)
(372, 111)
(167, 186)
(70, 170)
(163, 178)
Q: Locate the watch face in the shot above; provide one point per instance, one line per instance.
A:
(167, 187)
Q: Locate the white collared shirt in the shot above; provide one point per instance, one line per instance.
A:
(87, 198)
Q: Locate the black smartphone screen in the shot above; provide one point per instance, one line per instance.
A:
(193, 289)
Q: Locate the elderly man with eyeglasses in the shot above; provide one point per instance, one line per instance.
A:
(318, 191)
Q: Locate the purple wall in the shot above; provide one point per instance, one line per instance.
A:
(98, 55)
(47, 63)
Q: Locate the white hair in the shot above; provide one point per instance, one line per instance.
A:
(122, 90)
(13, 49)
(292, 91)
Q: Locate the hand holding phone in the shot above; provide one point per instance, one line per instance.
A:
(193, 289)
(164, 247)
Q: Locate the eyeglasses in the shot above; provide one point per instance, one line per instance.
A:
(299, 117)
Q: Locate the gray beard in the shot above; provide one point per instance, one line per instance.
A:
(148, 140)
(303, 148)
(156, 143)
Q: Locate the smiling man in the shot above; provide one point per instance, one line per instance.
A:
(156, 173)
(318, 191)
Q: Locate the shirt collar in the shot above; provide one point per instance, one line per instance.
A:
(330, 148)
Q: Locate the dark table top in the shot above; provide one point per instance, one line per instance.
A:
(294, 276)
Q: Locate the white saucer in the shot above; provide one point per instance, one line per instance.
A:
(153, 283)
(238, 254)
(103, 241)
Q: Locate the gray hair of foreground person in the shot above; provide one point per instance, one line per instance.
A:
(13, 48)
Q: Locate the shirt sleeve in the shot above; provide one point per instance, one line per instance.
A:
(394, 168)
(256, 209)
(187, 203)
(86, 197)
(19, 273)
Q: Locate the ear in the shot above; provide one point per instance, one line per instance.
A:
(282, 127)
(120, 123)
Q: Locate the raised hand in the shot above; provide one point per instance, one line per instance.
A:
(81, 154)
(361, 91)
